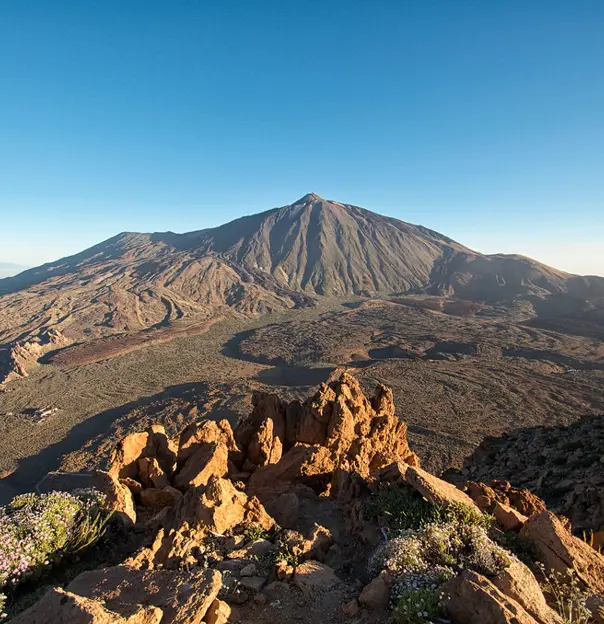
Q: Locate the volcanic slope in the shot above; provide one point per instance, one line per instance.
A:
(278, 259)
(283, 258)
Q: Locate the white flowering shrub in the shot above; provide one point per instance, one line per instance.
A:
(36, 530)
(421, 560)
(450, 546)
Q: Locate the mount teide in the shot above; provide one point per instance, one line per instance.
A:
(283, 258)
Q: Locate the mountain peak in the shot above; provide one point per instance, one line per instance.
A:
(309, 197)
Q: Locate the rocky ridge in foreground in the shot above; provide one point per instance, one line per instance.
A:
(313, 512)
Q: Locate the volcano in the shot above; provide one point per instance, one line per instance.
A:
(283, 258)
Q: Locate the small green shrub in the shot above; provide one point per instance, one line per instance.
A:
(89, 529)
(2, 604)
(404, 510)
(567, 596)
(287, 555)
(255, 532)
(416, 606)
(461, 513)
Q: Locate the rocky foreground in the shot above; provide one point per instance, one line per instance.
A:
(317, 512)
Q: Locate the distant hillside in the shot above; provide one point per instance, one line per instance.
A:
(283, 258)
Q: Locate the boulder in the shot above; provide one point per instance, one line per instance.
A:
(380, 437)
(206, 511)
(203, 432)
(473, 599)
(268, 406)
(311, 576)
(165, 449)
(432, 488)
(124, 460)
(315, 546)
(253, 583)
(119, 497)
(62, 607)
(319, 540)
(260, 548)
(486, 497)
(150, 443)
(311, 465)
(508, 518)
(151, 474)
(144, 558)
(158, 519)
(155, 497)
(284, 571)
(264, 446)
(221, 507)
(248, 570)
(231, 565)
(256, 514)
(343, 420)
(561, 551)
(252, 550)
(210, 459)
(183, 597)
(203, 511)
(519, 583)
(523, 501)
(134, 486)
(218, 613)
(309, 426)
(377, 594)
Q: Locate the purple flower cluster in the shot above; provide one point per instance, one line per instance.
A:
(35, 530)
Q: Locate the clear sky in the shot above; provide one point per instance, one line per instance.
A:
(481, 119)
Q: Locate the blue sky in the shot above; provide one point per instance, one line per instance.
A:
(482, 120)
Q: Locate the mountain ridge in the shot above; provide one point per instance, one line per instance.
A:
(282, 258)
(201, 238)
